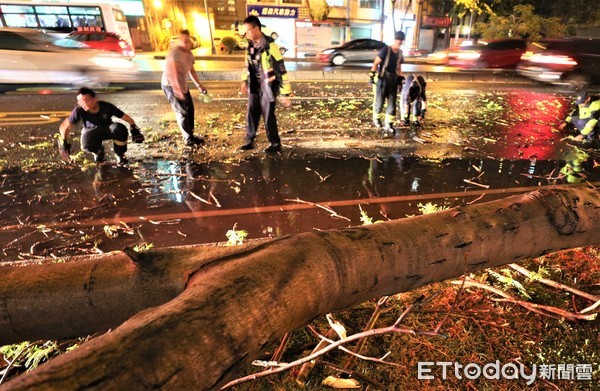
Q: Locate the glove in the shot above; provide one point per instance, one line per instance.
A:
(372, 77)
(136, 135)
(64, 149)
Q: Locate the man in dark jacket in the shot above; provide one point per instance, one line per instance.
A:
(264, 79)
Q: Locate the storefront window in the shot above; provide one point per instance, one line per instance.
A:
(374, 4)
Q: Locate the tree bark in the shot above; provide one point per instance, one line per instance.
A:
(230, 304)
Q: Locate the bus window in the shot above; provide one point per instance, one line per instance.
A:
(54, 18)
(86, 18)
(19, 16)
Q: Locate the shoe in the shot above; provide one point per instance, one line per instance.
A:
(193, 140)
(389, 128)
(406, 122)
(273, 148)
(416, 123)
(377, 123)
(99, 156)
(122, 160)
(247, 147)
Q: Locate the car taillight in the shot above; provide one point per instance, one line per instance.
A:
(551, 59)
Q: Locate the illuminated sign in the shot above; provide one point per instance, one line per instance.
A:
(273, 12)
(435, 21)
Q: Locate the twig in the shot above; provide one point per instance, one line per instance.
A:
(199, 198)
(332, 212)
(335, 345)
(541, 309)
(554, 284)
(369, 326)
(476, 184)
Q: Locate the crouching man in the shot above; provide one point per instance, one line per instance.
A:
(98, 125)
(413, 103)
(585, 118)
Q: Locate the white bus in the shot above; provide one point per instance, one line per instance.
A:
(59, 18)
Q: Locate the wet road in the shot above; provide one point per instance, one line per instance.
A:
(62, 210)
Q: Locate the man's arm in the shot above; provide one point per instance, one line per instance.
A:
(196, 79)
(65, 129)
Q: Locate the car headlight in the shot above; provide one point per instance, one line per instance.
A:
(327, 51)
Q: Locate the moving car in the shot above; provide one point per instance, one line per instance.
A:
(31, 56)
(358, 50)
(101, 40)
(567, 61)
(499, 53)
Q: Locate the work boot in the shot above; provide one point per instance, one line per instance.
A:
(247, 147)
(122, 160)
(377, 123)
(193, 140)
(99, 156)
(273, 148)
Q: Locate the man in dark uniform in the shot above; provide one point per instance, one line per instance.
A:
(264, 79)
(385, 75)
(413, 102)
(97, 117)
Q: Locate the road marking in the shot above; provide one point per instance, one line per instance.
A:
(14, 118)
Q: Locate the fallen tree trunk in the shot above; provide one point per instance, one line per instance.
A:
(235, 305)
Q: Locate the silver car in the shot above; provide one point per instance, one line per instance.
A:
(358, 50)
(31, 56)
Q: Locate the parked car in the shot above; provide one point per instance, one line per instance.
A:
(102, 40)
(31, 56)
(353, 51)
(499, 53)
(568, 61)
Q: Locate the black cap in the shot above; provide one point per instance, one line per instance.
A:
(581, 97)
(399, 36)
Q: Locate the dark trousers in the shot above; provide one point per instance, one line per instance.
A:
(580, 124)
(184, 111)
(386, 89)
(259, 104)
(91, 139)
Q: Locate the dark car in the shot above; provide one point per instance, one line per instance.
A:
(358, 50)
(101, 40)
(499, 53)
(567, 61)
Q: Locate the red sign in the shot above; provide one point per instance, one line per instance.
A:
(435, 21)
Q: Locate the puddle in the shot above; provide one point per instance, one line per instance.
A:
(167, 203)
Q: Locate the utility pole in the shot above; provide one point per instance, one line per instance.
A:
(212, 42)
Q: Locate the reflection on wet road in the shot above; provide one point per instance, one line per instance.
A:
(167, 203)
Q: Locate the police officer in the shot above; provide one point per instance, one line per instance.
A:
(413, 102)
(385, 76)
(585, 117)
(97, 117)
(264, 79)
